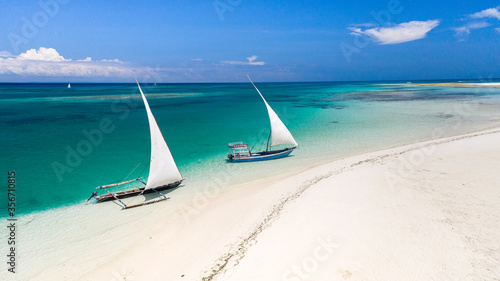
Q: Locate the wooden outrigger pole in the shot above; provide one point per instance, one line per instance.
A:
(116, 184)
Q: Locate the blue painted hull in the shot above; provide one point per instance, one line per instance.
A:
(262, 156)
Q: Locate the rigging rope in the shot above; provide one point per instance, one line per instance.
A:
(135, 197)
(259, 143)
(143, 170)
(127, 176)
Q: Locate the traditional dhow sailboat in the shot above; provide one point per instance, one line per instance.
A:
(279, 135)
(163, 172)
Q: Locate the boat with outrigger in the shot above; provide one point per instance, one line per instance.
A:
(163, 172)
(279, 135)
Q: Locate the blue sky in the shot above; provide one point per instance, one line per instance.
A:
(223, 40)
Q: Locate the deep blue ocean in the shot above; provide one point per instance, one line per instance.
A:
(63, 142)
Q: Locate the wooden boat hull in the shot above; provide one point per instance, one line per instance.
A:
(262, 156)
(133, 192)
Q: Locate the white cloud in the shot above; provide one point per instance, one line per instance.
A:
(403, 32)
(251, 61)
(364, 24)
(477, 25)
(5, 54)
(463, 31)
(86, 59)
(197, 59)
(113, 60)
(356, 31)
(48, 62)
(43, 54)
(488, 13)
(497, 29)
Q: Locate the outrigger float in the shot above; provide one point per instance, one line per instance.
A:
(131, 193)
(279, 135)
(163, 172)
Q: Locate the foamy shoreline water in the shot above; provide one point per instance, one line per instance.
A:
(195, 237)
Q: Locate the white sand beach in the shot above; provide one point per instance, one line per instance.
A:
(426, 211)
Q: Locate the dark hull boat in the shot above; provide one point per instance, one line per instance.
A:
(133, 192)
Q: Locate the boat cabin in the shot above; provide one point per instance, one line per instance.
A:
(239, 149)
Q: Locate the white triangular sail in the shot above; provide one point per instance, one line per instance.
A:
(162, 168)
(279, 132)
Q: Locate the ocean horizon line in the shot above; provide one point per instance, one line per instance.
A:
(464, 80)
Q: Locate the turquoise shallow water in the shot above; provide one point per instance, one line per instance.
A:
(47, 129)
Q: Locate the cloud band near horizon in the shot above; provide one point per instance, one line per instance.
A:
(48, 62)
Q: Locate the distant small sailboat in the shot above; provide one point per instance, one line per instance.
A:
(163, 172)
(69, 86)
(279, 135)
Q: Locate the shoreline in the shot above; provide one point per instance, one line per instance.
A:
(214, 237)
(310, 164)
(326, 134)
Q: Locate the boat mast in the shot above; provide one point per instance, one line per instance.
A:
(268, 138)
(279, 132)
